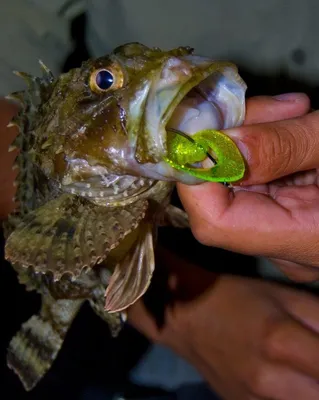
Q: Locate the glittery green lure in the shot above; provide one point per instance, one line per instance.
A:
(209, 155)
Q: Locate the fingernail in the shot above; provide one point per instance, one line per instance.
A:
(243, 149)
(236, 136)
(291, 97)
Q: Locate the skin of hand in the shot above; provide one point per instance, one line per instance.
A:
(274, 211)
(250, 339)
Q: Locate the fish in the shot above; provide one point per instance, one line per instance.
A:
(100, 149)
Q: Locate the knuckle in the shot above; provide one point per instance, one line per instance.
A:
(208, 235)
(260, 382)
(278, 153)
(280, 148)
(179, 333)
(202, 231)
(201, 234)
(275, 340)
(298, 143)
(208, 229)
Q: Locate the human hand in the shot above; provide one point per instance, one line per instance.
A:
(251, 340)
(274, 212)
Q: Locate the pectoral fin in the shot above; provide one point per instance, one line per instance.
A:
(70, 233)
(133, 275)
(114, 321)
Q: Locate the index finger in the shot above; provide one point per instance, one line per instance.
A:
(261, 109)
(276, 149)
(295, 345)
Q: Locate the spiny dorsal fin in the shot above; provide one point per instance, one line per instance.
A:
(38, 87)
(38, 91)
(27, 77)
(46, 72)
(20, 97)
(33, 83)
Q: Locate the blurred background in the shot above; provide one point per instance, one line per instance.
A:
(274, 44)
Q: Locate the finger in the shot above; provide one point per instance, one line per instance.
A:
(253, 223)
(280, 383)
(267, 109)
(296, 346)
(304, 178)
(219, 218)
(143, 321)
(205, 204)
(277, 149)
(297, 272)
(184, 279)
(303, 306)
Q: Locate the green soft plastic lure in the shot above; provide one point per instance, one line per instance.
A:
(209, 155)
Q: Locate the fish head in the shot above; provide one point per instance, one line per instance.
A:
(103, 129)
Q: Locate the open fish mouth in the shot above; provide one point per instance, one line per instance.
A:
(193, 94)
(216, 102)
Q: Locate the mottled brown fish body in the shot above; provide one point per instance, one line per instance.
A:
(93, 184)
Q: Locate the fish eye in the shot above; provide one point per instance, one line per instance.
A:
(103, 80)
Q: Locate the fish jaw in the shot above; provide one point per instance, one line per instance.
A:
(190, 94)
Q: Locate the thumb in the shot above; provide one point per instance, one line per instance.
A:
(276, 149)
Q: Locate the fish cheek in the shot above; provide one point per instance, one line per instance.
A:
(104, 143)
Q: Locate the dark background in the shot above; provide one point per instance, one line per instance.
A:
(89, 357)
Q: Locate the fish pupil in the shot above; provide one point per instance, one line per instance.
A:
(104, 79)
